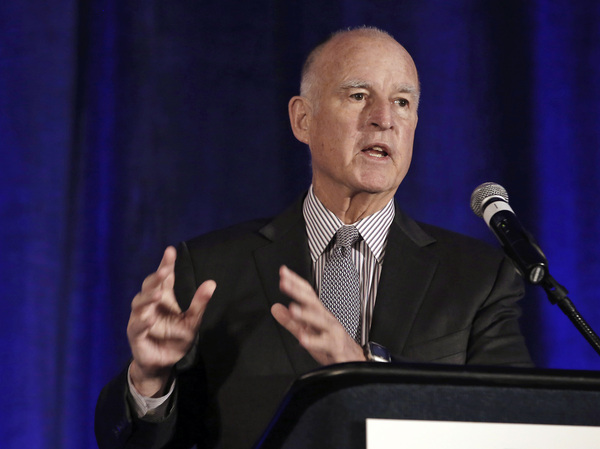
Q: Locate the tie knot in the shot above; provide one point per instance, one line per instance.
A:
(346, 236)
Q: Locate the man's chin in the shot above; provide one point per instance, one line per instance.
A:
(377, 186)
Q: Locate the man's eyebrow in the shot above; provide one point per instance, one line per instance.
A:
(411, 90)
(407, 89)
(355, 84)
(360, 84)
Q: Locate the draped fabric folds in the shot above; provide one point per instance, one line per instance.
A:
(129, 125)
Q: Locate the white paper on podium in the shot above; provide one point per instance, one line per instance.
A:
(414, 434)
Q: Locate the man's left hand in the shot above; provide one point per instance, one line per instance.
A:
(315, 327)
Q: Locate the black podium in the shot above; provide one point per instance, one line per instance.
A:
(328, 408)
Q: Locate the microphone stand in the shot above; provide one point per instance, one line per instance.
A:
(520, 246)
(557, 294)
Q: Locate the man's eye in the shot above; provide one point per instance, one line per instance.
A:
(358, 97)
(402, 102)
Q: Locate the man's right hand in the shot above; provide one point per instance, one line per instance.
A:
(159, 333)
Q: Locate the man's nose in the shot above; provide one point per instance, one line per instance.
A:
(380, 115)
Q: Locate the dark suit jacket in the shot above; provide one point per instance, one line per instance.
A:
(442, 298)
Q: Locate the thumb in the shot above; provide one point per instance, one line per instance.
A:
(203, 294)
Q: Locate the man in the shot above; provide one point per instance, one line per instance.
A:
(254, 319)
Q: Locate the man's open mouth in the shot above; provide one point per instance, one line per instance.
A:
(375, 151)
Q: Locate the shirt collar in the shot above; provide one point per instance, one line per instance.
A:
(322, 224)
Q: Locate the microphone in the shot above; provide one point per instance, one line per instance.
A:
(490, 202)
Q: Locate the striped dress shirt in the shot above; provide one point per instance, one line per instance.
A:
(367, 253)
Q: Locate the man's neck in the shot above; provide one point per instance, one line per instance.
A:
(350, 208)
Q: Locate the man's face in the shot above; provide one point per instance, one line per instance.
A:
(362, 116)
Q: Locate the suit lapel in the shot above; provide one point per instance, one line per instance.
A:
(289, 246)
(407, 272)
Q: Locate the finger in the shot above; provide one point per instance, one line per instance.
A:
(178, 326)
(165, 268)
(158, 286)
(138, 327)
(325, 343)
(168, 258)
(315, 316)
(169, 281)
(168, 302)
(296, 287)
(194, 313)
(140, 320)
(301, 332)
(309, 342)
(284, 317)
(154, 280)
(333, 346)
(307, 307)
(148, 306)
(171, 331)
(281, 314)
(153, 297)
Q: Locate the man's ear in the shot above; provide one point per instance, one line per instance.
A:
(300, 116)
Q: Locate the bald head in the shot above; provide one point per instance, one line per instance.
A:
(325, 56)
(357, 112)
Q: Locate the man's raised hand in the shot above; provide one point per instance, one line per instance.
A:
(315, 327)
(159, 333)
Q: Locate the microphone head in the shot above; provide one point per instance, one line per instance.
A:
(484, 192)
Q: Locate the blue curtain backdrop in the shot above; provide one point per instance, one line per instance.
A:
(127, 125)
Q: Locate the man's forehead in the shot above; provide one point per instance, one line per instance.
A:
(361, 57)
(350, 52)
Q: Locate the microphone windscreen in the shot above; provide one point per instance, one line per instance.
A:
(483, 192)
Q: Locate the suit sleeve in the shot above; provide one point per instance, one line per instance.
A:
(117, 427)
(495, 337)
